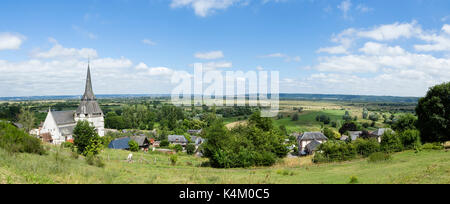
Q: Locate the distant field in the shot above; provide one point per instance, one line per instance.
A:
(406, 167)
(307, 120)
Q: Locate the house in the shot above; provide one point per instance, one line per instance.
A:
(195, 132)
(306, 138)
(354, 134)
(377, 134)
(142, 141)
(156, 144)
(121, 143)
(177, 139)
(60, 124)
(344, 138)
(18, 125)
(312, 147)
(197, 140)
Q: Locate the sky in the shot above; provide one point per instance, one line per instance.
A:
(377, 47)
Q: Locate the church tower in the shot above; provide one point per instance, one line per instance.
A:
(89, 109)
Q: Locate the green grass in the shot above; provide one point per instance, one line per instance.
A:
(307, 120)
(405, 167)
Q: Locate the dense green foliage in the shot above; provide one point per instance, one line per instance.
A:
(134, 146)
(17, 141)
(348, 126)
(405, 122)
(366, 147)
(86, 139)
(391, 142)
(433, 113)
(410, 138)
(190, 149)
(335, 151)
(257, 144)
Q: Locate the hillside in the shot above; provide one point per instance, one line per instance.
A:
(59, 167)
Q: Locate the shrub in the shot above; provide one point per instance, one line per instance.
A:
(390, 142)
(178, 148)
(190, 149)
(134, 146)
(67, 145)
(333, 151)
(379, 157)
(432, 146)
(353, 180)
(366, 147)
(331, 134)
(86, 139)
(14, 140)
(90, 158)
(164, 143)
(410, 138)
(173, 159)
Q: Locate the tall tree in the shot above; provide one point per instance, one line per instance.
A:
(433, 113)
(26, 118)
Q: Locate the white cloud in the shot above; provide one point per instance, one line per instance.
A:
(372, 48)
(340, 49)
(58, 51)
(440, 41)
(345, 7)
(216, 65)
(204, 8)
(392, 31)
(209, 55)
(9, 41)
(148, 42)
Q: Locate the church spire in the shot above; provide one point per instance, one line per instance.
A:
(88, 93)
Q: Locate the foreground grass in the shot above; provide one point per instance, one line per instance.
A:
(59, 167)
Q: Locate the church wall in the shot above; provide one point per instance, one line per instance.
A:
(97, 122)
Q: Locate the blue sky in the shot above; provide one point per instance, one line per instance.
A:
(338, 47)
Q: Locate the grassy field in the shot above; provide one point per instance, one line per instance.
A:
(59, 167)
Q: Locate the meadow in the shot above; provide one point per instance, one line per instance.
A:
(58, 166)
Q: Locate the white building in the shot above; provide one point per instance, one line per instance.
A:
(60, 124)
(306, 138)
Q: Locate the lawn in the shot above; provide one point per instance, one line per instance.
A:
(307, 120)
(59, 167)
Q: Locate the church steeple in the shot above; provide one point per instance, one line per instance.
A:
(88, 93)
(89, 105)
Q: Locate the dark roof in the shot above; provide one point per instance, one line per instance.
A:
(312, 146)
(89, 103)
(194, 131)
(18, 125)
(177, 138)
(141, 140)
(121, 143)
(312, 136)
(63, 117)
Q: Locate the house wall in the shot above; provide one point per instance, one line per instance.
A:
(51, 127)
(98, 122)
(303, 143)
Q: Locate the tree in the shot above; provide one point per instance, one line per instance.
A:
(374, 117)
(390, 142)
(347, 116)
(410, 138)
(331, 134)
(365, 113)
(261, 122)
(190, 149)
(26, 118)
(86, 139)
(405, 122)
(433, 113)
(348, 126)
(295, 117)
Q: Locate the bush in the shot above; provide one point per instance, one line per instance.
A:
(379, 157)
(410, 139)
(353, 180)
(390, 142)
(67, 145)
(173, 159)
(134, 146)
(178, 148)
(334, 151)
(366, 147)
(432, 146)
(164, 143)
(14, 140)
(190, 149)
(86, 139)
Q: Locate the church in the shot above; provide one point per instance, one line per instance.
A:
(59, 125)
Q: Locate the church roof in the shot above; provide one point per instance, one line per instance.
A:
(89, 103)
(63, 117)
(67, 130)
